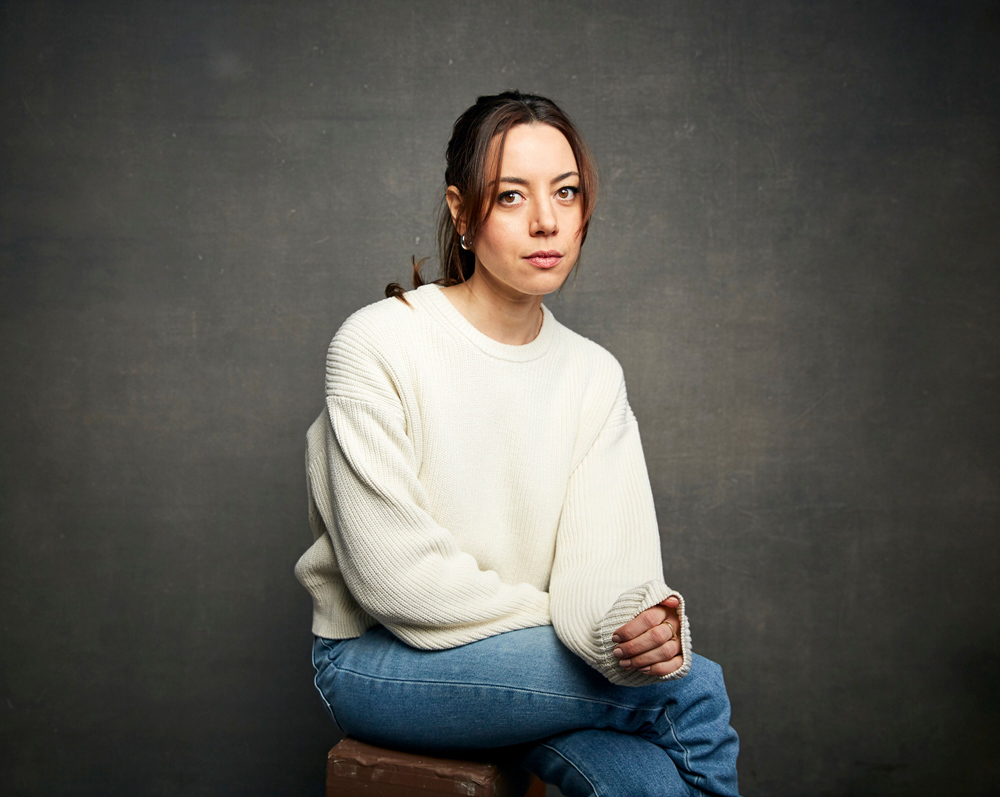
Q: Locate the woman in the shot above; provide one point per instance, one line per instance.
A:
(486, 569)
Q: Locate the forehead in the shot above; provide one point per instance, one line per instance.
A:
(536, 149)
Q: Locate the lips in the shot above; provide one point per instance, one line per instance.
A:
(546, 259)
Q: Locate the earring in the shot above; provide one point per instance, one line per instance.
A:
(464, 243)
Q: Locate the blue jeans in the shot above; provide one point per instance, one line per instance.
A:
(572, 726)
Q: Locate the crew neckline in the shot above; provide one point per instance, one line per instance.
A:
(504, 351)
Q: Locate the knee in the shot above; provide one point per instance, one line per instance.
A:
(706, 671)
(702, 692)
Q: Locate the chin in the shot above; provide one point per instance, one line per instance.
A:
(552, 285)
(560, 277)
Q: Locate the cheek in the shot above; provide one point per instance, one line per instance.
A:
(496, 237)
(574, 221)
(573, 217)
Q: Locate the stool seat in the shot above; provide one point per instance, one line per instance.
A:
(355, 768)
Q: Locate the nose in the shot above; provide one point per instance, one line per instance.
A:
(543, 222)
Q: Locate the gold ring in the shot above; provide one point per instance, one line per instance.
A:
(673, 631)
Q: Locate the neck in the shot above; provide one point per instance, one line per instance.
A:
(514, 319)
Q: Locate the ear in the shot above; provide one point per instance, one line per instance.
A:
(454, 199)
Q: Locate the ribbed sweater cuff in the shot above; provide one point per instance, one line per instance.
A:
(628, 606)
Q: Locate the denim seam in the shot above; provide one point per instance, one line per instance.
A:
(326, 702)
(687, 754)
(506, 687)
(582, 773)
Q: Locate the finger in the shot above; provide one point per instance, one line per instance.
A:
(664, 652)
(656, 645)
(645, 620)
(665, 667)
(654, 615)
(650, 640)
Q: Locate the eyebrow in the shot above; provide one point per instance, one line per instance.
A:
(522, 181)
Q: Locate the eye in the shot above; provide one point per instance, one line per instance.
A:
(509, 198)
(567, 193)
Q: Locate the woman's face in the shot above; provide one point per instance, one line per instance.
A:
(531, 240)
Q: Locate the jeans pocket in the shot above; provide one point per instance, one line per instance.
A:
(325, 652)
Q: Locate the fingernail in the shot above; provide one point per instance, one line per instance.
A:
(617, 653)
(616, 639)
(645, 669)
(626, 662)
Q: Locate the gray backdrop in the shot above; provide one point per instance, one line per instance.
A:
(795, 259)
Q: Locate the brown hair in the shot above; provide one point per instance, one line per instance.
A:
(467, 167)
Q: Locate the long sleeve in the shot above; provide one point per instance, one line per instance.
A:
(607, 567)
(460, 487)
(401, 566)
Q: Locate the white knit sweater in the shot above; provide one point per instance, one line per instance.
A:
(460, 487)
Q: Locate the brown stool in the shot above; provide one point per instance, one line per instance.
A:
(355, 768)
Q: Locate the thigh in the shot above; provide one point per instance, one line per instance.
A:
(505, 690)
(519, 687)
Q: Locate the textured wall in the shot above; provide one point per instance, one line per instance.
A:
(795, 260)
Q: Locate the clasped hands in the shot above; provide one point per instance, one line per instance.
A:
(651, 642)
